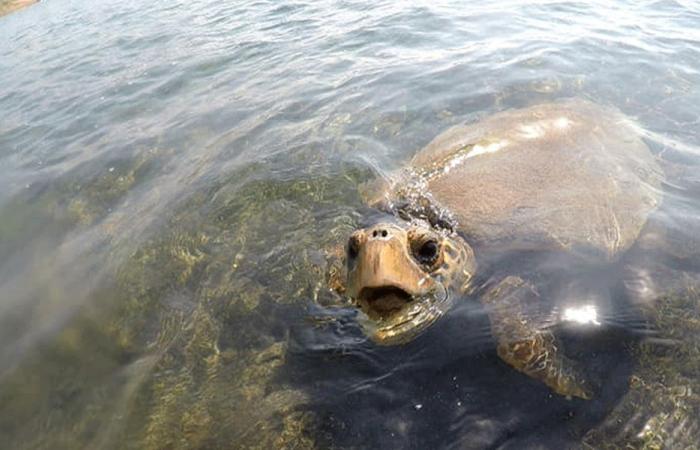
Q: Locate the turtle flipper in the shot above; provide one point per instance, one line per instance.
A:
(529, 349)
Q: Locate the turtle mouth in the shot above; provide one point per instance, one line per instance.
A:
(392, 315)
(384, 301)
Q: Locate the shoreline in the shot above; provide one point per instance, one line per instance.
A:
(10, 6)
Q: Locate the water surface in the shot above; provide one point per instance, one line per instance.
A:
(173, 175)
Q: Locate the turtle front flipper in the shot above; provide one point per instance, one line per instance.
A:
(529, 349)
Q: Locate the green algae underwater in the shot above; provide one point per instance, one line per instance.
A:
(182, 345)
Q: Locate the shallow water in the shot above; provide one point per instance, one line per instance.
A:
(173, 175)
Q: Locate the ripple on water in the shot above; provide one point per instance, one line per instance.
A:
(173, 176)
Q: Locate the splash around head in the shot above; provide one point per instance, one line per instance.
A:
(403, 277)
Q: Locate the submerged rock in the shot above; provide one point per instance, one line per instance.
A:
(9, 6)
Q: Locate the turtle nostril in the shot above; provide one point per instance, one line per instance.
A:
(380, 232)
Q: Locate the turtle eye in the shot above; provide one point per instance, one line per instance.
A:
(427, 252)
(353, 247)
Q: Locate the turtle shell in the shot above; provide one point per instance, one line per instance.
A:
(570, 175)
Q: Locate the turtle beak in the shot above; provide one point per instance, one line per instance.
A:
(382, 276)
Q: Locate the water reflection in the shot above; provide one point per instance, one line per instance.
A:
(584, 314)
(177, 301)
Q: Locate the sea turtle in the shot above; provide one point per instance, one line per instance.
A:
(515, 194)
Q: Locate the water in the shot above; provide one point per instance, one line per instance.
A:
(174, 174)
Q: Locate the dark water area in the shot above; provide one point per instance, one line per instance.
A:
(174, 176)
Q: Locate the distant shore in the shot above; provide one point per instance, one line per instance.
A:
(8, 6)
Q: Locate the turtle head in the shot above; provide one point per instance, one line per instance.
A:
(403, 277)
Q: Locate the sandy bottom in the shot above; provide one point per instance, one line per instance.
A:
(8, 6)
